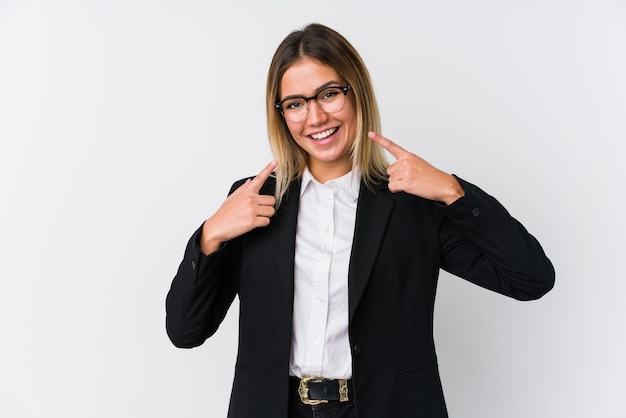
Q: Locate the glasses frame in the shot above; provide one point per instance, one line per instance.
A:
(279, 105)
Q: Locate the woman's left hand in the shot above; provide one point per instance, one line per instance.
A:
(411, 174)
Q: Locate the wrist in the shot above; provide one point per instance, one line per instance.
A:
(455, 192)
(208, 242)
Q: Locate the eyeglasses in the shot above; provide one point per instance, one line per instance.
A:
(330, 99)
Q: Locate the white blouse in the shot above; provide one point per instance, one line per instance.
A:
(326, 218)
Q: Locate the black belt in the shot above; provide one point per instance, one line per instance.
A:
(317, 390)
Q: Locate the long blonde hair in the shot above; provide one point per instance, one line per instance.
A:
(327, 46)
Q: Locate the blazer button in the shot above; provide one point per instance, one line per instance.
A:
(193, 265)
(475, 212)
(356, 349)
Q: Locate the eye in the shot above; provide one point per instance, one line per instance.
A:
(293, 104)
(329, 94)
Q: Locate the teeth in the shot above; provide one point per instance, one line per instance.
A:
(324, 134)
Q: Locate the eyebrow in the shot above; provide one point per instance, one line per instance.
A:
(320, 88)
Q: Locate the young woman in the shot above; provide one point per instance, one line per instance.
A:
(334, 253)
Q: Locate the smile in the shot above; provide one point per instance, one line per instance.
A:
(323, 135)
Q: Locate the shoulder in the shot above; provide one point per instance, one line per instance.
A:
(268, 187)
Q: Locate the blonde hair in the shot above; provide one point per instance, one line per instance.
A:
(330, 48)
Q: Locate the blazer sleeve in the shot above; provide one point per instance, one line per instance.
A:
(202, 290)
(484, 244)
(201, 293)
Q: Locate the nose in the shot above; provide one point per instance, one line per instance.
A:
(316, 114)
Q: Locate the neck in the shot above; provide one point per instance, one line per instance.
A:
(324, 172)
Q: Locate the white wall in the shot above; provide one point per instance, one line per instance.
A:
(114, 115)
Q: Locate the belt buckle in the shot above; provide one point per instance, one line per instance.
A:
(303, 391)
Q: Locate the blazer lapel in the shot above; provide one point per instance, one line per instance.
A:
(372, 216)
(284, 237)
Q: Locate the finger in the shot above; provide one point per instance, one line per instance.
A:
(266, 200)
(261, 221)
(393, 148)
(393, 168)
(265, 211)
(241, 188)
(260, 178)
(394, 187)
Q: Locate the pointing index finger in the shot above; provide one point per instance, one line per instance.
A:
(260, 178)
(394, 149)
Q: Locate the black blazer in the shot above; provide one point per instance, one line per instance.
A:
(400, 244)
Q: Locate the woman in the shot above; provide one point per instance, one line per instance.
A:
(335, 257)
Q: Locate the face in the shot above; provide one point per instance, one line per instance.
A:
(326, 138)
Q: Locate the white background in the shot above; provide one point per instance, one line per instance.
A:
(124, 123)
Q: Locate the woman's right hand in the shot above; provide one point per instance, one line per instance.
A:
(244, 210)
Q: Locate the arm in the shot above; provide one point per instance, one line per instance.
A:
(206, 282)
(483, 244)
(201, 293)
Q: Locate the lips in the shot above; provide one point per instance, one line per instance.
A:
(320, 136)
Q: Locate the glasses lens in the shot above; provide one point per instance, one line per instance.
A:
(295, 110)
(331, 100)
